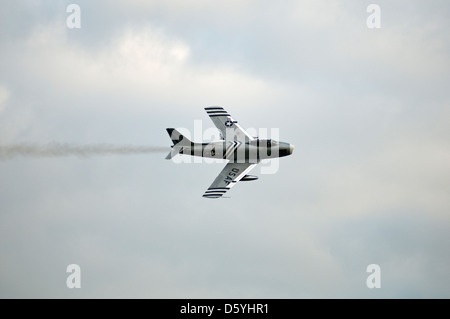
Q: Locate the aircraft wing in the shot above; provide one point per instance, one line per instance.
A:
(228, 177)
(230, 129)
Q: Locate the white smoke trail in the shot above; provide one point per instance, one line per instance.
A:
(67, 149)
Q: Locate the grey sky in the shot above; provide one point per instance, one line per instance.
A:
(368, 183)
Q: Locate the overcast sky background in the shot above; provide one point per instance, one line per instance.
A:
(369, 181)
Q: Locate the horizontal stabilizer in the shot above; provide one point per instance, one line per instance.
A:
(175, 151)
(169, 156)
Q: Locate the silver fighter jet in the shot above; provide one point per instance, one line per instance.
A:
(242, 150)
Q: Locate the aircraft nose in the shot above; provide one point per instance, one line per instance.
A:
(291, 148)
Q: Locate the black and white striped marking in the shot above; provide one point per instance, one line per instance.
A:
(216, 111)
(231, 149)
(215, 192)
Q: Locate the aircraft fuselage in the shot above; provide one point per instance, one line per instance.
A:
(239, 152)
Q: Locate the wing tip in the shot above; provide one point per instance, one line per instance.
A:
(215, 192)
(211, 196)
(216, 111)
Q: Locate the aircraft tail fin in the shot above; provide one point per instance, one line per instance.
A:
(179, 140)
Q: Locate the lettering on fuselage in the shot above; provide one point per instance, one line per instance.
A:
(229, 178)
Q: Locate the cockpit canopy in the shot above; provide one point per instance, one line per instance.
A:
(264, 143)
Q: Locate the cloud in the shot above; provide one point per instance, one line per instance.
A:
(367, 110)
(401, 175)
(4, 96)
(141, 63)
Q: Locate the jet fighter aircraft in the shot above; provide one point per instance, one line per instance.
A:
(242, 150)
